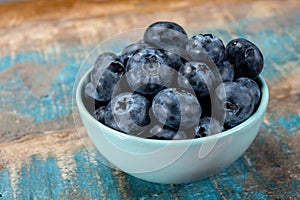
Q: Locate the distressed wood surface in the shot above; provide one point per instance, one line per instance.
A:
(42, 44)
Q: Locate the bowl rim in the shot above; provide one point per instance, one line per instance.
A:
(261, 109)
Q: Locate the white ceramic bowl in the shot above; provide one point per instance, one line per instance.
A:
(171, 161)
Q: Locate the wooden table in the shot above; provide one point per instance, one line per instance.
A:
(42, 44)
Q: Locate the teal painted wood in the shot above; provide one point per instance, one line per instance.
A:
(246, 178)
(41, 179)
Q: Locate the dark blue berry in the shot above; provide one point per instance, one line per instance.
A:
(198, 76)
(161, 132)
(91, 92)
(128, 112)
(105, 76)
(91, 98)
(205, 103)
(251, 87)
(100, 65)
(148, 71)
(237, 102)
(245, 57)
(165, 35)
(99, 114)
(129, 50)
(174, 60)
(180, 52)
(176, 108)
(203, 47)
(226, 71)
(208, 126)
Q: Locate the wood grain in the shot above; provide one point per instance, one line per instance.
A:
(89, 30)
(41, 10)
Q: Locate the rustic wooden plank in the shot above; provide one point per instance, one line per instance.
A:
(41, 155)
(42, 10)
(39, 35)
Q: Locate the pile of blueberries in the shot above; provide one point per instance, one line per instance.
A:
(169, 86)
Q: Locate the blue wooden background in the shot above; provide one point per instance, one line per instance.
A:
(41, 156)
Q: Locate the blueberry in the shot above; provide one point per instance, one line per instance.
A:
(174, 60)
(212, 106)
(128, 112)
(129, 50)
(91, 98)
(105, 76)
(165, 35)
(226, 71)
(205, 103)
(91, 92)
(237, 102)
(166, 133)
(147, 55)
(134, 47)
(208, 126)
(203, 47)
(101, 64)
(99, 114)
(180, 52)
(252, 88)
(245, 57)
(174, 107)
(148, 71)
(198, 76)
